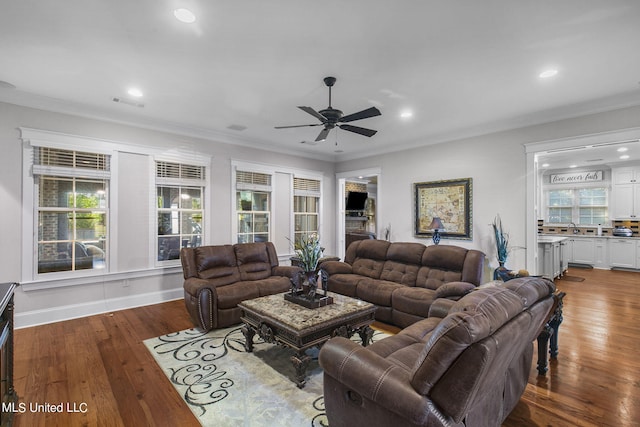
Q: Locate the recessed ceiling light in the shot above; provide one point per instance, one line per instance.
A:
(624, 156)
(405, 114)
(545, 165)
(134, 91)
(622, 149)
(573, 166)
(548, 73)
(184, 15)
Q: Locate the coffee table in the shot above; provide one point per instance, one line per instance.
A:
(285, 323)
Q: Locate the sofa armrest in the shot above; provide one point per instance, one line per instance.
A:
(454, 289)
(374, 378)
(336, 267)
(440, 307)
(285, 270)
(193, 284)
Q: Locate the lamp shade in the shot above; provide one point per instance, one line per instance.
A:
(436, 224)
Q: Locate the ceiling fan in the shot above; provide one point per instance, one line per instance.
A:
(331, 117)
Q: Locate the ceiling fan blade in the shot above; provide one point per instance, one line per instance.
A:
(314, 113)
(357, 129)
(323, 134)
(364, 114)
(297, 126)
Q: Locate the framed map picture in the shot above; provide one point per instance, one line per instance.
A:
(448, 200)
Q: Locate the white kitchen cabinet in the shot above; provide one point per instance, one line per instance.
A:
(551, 263)
(565, 248)
(624, 253)
(626, 175)
(584, 250)
(601, 252)
(625, 194)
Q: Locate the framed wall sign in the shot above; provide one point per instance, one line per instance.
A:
(449, 200)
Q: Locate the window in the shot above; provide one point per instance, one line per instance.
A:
(253, 206)
(592, 205)
(180, 208)
(306, 206)
(72, 209)
(584, 206)
(560, 206)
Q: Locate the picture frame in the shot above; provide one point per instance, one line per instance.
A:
(451, 201)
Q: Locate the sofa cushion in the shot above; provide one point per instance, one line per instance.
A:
(344, 284)
(273, 285)
(368, 267)
(229, 296)
(377, 291)
(433, 278)
(217, 263)
(253, 261)
(372, 249)
(394, 271)
(406, 252)
(444, 257)
(414, 301)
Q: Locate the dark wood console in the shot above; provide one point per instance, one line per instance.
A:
(8, 393)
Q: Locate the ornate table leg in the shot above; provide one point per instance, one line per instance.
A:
(248, 333)
(300, 362)
(543, 340)
(554, 323)
(366, 335)
(549, 335)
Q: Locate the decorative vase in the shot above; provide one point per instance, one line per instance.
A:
(500, 272)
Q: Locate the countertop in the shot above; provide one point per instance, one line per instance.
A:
(551, 238)
(547, 238)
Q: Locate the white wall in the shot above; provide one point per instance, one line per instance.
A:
(496, 162)
(131, 281)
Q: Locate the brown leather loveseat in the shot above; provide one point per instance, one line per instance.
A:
(217, 278)
(403, 279)
(467, 369)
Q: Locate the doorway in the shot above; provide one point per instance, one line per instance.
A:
(566, 146)
(357, 217)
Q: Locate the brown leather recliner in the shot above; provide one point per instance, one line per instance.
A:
(467, 369)
(217, 278)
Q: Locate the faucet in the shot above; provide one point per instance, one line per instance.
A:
(575, 227)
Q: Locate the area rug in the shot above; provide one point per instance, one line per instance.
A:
(223, 385)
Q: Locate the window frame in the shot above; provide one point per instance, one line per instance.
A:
(180, 183)
(313, 193)
(253, 188)
(575, 205)
(32, 140)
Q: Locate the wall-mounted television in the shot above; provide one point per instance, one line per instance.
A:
(356, 200)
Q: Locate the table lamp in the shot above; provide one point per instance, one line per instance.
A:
(436, 226)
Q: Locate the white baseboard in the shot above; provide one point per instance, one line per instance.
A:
(74, 311)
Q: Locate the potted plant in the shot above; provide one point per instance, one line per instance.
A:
(309, 252)
(502, 241)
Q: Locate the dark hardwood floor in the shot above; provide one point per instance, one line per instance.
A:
(101, 362)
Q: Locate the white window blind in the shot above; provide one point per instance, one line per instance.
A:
(61, 162)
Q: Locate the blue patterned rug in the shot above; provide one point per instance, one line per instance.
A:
(223, 385)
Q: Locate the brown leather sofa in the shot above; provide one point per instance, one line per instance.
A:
(467, 369)
(217, 278)
(403, 279)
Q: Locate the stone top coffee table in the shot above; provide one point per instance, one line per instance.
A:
(283, 322)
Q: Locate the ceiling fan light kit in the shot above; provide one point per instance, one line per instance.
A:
(331, 117)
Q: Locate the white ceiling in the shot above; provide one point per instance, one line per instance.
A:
(463, 67)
